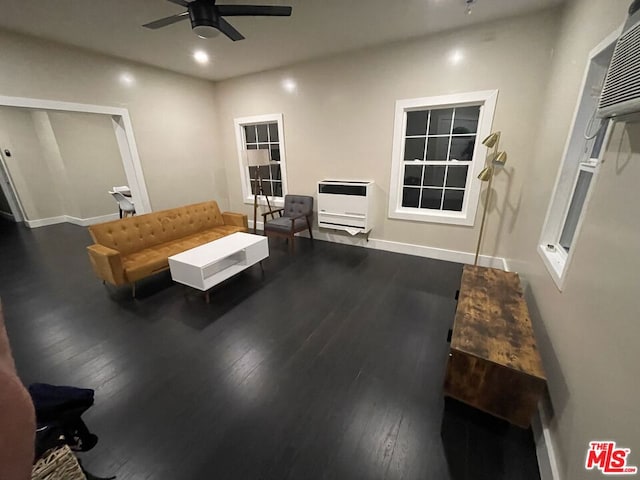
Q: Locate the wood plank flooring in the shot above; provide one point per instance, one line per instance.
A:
(328, 367)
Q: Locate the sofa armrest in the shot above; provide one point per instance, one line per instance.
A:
(107, 263)
(236, 219)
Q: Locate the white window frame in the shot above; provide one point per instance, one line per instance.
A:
(239, 124)
(486, 99)
(555, 258)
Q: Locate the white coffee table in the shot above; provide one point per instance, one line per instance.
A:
(205, 266)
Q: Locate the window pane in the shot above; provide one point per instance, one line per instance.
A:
(250, 133)
(437, 148)
(277, 189)
(575, 208)
(253, 188)
(457, 176)
(414, 149)
(252, 172)
(431, 198)
(263, 135)
(263, 146)
(434, 176)
(417, 123)
(275, 172)
(466, 120)
(264, 171)
(410, 197)
(275, 153)
(252, 147)
(273, 132)
(413, 175)
(462, 148)
(440, 123)
(266, 188)
(453, 200)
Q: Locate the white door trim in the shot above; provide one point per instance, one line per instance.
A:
(124, 135)
(9, 190)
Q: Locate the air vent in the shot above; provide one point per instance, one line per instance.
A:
(621, 92)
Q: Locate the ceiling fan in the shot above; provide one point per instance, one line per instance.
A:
(206, 17)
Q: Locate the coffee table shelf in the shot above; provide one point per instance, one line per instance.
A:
(206, 266)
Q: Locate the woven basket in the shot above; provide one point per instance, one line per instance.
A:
(58, 464)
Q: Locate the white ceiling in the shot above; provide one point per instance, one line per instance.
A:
(316, 28)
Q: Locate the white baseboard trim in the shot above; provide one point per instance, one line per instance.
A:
(405, 248)
(545, 451)
(83, 222)
(43, 222)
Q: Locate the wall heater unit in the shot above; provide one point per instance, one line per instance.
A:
(346, 205)
(621, 92)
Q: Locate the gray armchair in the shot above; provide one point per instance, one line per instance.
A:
(294, 217)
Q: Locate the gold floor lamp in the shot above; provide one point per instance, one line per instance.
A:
(495, 160)
(257, 159)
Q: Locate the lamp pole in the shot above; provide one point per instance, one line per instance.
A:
(484, 216)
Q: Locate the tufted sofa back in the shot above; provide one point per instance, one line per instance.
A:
(133, 234)
(295, 205)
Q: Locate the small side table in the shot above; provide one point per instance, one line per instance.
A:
(494, 364)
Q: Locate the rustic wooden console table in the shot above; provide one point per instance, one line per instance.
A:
(494, 364)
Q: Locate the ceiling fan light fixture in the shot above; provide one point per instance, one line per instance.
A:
(204, 20)
(205, 31)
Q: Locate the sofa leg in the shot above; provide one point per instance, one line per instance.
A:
(133, 290)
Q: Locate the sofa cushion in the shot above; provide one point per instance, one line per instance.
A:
(135, 234)
(148, 261)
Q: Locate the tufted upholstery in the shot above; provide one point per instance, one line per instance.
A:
(132, 248)
(295, 217)
(296, 205)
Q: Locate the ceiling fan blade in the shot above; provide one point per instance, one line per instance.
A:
(228, 29)
(163, 22)
(253, 10)
(180, 2)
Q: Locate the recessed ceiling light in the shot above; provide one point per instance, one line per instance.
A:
(201, 57)
(456, 57)
(289, 84)
(127, 79)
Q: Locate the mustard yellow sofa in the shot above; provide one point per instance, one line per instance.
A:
(133, 248)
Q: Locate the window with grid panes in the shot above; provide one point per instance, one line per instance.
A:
(264, 136)
(437, 155)
(438, 152)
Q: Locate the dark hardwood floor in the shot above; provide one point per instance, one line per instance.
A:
(329, 367)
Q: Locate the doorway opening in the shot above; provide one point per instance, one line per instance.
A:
(76, 183)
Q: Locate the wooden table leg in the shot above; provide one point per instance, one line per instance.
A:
(206, 297)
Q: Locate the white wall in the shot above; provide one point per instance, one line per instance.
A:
(339, 122)
(92, 161)
(173, 115)
(588, 333)
(62, 163)
(28, 165)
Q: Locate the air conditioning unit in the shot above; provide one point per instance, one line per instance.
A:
(621, 91)
(346, 205)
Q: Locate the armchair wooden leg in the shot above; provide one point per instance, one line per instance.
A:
(291, 243)
(309, 226)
